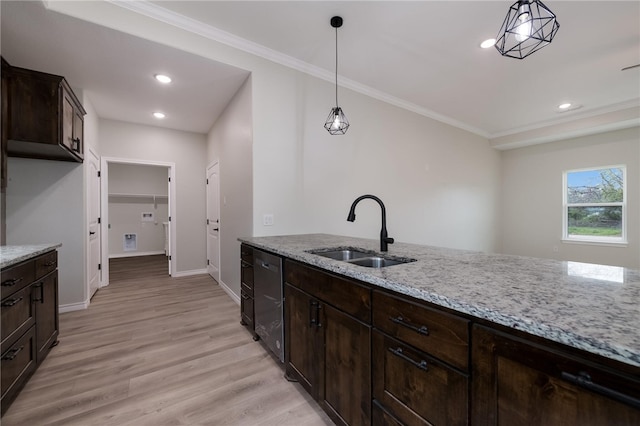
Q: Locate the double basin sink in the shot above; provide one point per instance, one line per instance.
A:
(361, 257)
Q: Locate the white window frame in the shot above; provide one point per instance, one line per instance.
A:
(622, 240)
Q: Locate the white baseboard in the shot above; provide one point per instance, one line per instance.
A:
(188, 273)
(230, 292)
(136, 253)
(73, 307)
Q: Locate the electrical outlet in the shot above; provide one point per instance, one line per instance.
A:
(267, 220)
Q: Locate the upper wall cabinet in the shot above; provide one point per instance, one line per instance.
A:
(45, 118)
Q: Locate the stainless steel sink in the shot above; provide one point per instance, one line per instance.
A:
(361, 257)
(378, 262)
(343, 254)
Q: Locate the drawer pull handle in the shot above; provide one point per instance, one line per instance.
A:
(314, 314)
(41, 298)
(400, 321)
(12, 354)
(53, 262)
(11, 282)
(244, 296)
(422, 365)
(583, 379)
(244, 264)
(11, 302)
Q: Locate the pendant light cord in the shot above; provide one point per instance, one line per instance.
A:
(336, 67)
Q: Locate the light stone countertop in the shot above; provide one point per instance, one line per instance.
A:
(591, 307)
(11, 255)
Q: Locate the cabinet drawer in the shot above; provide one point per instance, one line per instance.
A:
(246, 253)
(246, 309)
(379, 417)
(46, 263)
(436, 333)
(346, 295)
(17, 277)
(17, 315)
(246, 276)
(18, 362)
(416, 388)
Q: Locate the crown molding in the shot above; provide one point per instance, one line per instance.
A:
(575, 116)
(169, 17)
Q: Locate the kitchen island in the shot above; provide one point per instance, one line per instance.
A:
(547, 310)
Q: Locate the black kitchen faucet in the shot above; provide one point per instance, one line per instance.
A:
(385, 240)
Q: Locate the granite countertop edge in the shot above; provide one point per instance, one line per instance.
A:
(13, 254)
(547, 330)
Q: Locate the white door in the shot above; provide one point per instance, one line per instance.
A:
(168, 230)
(94, 273)
(213, 221)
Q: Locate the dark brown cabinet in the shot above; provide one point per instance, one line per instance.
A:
(328, 341)
(370, 355)
(246, 289)
(420, 363)
(29, 327)
(519, 382)
(44, 117)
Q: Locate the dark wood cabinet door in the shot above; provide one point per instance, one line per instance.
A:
(347, 367)
(17, 364)
(45, 296)
(78, 132)
(520, 383)
(303, 343)
(418, 389)
(67, 121)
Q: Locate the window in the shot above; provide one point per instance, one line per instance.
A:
(595, 204)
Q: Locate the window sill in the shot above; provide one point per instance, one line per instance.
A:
(591, 242)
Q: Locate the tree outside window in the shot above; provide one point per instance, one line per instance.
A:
(595, 204)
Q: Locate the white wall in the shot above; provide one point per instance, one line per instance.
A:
(188, 151)
(230, 142)
(440, 184)
(447, 195)
(532, 197)
(45, 204)
(125, 212)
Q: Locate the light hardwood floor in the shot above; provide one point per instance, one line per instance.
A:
(156, 350)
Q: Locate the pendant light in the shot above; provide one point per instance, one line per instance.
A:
(529, 26)
(337, 123)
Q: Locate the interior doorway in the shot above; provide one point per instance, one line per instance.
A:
(213, 220)
(138, 211)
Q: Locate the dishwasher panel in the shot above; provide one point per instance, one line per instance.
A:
(267, 288)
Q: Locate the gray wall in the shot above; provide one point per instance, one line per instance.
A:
(188, 151)
(230, 141)
(532, 197)
(45, 204)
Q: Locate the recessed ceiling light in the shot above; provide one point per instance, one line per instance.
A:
(159, 115)
(566, 105)
(488, 43)
(163, 78)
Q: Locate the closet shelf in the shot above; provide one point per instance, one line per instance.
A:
(138, 198)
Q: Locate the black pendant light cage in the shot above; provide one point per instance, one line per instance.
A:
(528, 27)
(336, 123)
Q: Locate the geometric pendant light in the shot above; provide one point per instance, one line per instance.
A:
(336, 123)
(528, 27)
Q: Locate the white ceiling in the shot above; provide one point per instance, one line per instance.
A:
(422, 55)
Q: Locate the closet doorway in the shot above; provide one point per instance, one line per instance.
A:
(138, 211)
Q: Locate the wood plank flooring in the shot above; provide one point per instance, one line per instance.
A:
(156, 350)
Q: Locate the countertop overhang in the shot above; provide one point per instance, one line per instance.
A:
(591, 307)
(12, 255)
